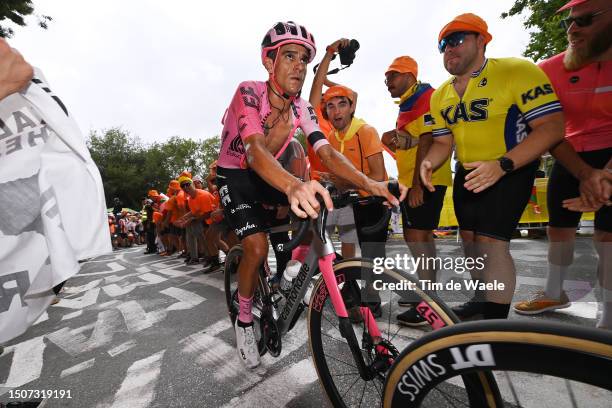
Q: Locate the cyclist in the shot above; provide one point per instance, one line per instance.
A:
(582, 77)
(258, 125)
(501, 114)
(421, 212)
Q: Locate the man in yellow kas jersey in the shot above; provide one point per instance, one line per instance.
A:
(501, 114)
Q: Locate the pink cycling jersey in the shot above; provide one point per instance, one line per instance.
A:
(586, 97)
(247, 115)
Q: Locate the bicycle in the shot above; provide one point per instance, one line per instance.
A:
(562, 351)
(342, 286)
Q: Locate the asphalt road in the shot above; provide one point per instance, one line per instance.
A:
(134, 330)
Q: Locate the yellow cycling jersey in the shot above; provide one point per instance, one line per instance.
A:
(494, 113)
(414, 118)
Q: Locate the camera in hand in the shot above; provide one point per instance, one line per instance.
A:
(347, 54)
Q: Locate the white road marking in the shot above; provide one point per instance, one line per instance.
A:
(278, 390)
(70, 290)
(121, 348)
(114, 266)
(72, 315)
(78, 368)
(187, 300)
(89, 298)
(136, 319)
(27, 362)
(138, 388)
(74, 342)
(208, 280)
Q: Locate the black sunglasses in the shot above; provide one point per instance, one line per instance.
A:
(183, 185)
(455, 39)
(581, 21)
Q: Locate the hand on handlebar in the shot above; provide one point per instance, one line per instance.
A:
(303, 201)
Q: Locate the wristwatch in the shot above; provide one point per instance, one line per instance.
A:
(506, 164)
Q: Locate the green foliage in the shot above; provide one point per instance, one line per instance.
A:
(15, 12)
(547, 38)
(130, 168)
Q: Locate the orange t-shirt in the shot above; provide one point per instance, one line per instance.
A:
(364, 144)
(181, 204)
(171, 207)
(157, 217)
(200, 204)
(216, 200)
(313, 158)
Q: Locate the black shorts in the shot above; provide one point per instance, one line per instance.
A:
(562, 185)
(242, 194)
(496, 211)
(425, 217)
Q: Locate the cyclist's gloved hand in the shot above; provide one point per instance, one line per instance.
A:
(303, 200)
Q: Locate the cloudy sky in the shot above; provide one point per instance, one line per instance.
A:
(161, 68)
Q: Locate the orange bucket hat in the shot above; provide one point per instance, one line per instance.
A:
(404, 65)
(466, 22)
(338, 91)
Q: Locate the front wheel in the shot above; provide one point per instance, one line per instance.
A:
(337, 369)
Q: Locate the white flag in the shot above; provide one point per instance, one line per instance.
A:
(52, 206)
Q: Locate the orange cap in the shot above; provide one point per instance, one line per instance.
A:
(466, 22)
(338, 91)
(404, 65)
(186, 174)
(174, 185)
(153, 193)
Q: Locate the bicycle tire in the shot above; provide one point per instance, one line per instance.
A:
(481, 387)
(529, 347)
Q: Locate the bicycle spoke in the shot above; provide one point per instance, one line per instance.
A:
(341, 361)
(448, 398)
(568, 385)
(349, 388)
(365, 384)
(344, 374)
(512, 389)
(333, 338)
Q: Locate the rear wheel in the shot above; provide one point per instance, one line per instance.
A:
(336, 367)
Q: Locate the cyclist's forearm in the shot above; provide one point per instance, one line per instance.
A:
(567, 156)
(268, 168)
(425, 142)
(439, 151)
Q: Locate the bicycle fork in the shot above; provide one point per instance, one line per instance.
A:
(346, 328)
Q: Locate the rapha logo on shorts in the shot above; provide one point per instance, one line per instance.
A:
(248, 226)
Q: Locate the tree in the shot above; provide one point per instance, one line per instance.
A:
(130, 168)
(547, 37)
(15, 11)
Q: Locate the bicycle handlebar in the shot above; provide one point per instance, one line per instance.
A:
(339, 201)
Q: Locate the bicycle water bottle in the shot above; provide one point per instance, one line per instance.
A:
(291, 271)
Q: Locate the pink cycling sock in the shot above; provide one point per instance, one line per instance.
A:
(299, 253)
(246, 306)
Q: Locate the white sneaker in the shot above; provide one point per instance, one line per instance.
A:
(247, 345)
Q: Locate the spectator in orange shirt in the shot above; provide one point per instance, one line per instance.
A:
(170, 214)
(200, 204)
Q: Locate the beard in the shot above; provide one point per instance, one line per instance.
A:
(576, 58)
(464, 64)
